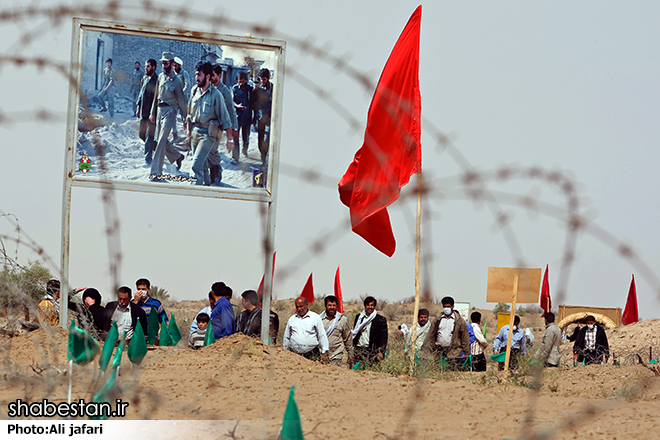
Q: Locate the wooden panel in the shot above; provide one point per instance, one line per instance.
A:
(500, 285)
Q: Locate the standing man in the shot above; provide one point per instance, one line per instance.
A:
(214, 156)
(591, 344)
(249, 321)
(48, 309)
(169, 96)
(337, 330)
(449, 335)
(207, 117)
(177, 63)
(223, 317)
(136, 84)
(242, 97)
(423, 327)
(145, 301)
(517, 343)
(108, 88)
(144, 103)
(262, 105)
(126, 314)
(304, 333)
(369, 334)
(548, 351)
(478, 346)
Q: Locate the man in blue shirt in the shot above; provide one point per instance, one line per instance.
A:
(517, 343)
(223, 317)
(145, 301)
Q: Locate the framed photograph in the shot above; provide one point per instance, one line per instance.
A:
(142, 117)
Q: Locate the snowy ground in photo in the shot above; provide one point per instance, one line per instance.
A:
(125, 156)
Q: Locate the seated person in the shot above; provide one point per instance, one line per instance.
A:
(196, 339)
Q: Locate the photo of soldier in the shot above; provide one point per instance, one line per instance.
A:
(242, 103)
(144, 103)
(262, 105)
(136, 83)
(108, 88)
(169, 97)
(207, 116)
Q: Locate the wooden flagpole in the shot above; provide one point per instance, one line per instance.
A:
(413, 336)
(513, 316)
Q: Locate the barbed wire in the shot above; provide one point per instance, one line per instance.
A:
(470, 185)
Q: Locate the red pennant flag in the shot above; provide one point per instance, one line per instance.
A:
(391, 151)
(308, 290)
(260, 289)
(630, 314)
(546, 303)
(340, 301)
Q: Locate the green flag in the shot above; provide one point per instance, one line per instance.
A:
(175, 331)
(104, 393)
(82, 347)
(153, 325)
(210, 337)
(291, 426)
(117, 359)
(468, 363)
(443, 364)
(484, 330)
(137, 349)
(108, 346)
(165, 336)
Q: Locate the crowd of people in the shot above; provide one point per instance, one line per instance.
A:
(329, 337)
(207, 108)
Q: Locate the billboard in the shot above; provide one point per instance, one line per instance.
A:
(139, 119)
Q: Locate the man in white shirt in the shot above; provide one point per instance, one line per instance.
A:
(423, 327)
(304, 333)
(126, 313)
(477, 347)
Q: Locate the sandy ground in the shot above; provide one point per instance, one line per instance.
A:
(244, 386)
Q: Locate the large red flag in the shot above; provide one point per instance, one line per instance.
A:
(340, 301)
(308, 290)
(630, 314)
(391, 151)
(546, 303)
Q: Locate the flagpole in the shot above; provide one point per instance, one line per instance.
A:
(418, 241)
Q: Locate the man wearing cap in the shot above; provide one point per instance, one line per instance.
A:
(169, 96)
(185, 79)
(207, 116)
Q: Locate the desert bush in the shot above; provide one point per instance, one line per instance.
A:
(23, 286)
(501, 308)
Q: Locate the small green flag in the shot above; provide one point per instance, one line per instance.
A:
(484, 330)
(468, 363)
(116, 361)
(104, 393)
(210, 337)
(291, 426)
(165, 336)
(443, 364)
(153, 325)
(82, 347)
(175, 331)
(356, 366)
(137, 349)
(108, 346)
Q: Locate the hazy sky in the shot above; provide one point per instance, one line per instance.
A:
(562, 86)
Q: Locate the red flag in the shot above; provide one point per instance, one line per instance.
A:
(340, 301)
(630, 314)
(546, 303)
(260, 289)
(391, 151)
(308, 290)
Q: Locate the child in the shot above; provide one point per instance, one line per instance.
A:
(196, 338)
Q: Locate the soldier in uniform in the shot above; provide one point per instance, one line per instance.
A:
(214, 155)
(187, 84)
(108, 88)
(262, 104)
(242, 97)
(207, 116)
(169, 96)
(144, 103)
(136, 83)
